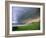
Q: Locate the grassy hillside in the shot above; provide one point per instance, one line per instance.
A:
(32, 26)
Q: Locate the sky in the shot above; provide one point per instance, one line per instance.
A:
(21, 13)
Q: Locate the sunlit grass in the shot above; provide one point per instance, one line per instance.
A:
(31, 26)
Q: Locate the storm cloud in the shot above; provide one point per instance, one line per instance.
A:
(21, 13)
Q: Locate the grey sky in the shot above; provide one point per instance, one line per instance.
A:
(19, 13)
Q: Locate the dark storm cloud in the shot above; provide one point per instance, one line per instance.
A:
(20, 13)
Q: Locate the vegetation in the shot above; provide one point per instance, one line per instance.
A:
(31, 26)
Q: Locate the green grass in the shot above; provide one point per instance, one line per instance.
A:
(32, 26)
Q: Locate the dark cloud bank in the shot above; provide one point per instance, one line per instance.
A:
(19, 14)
